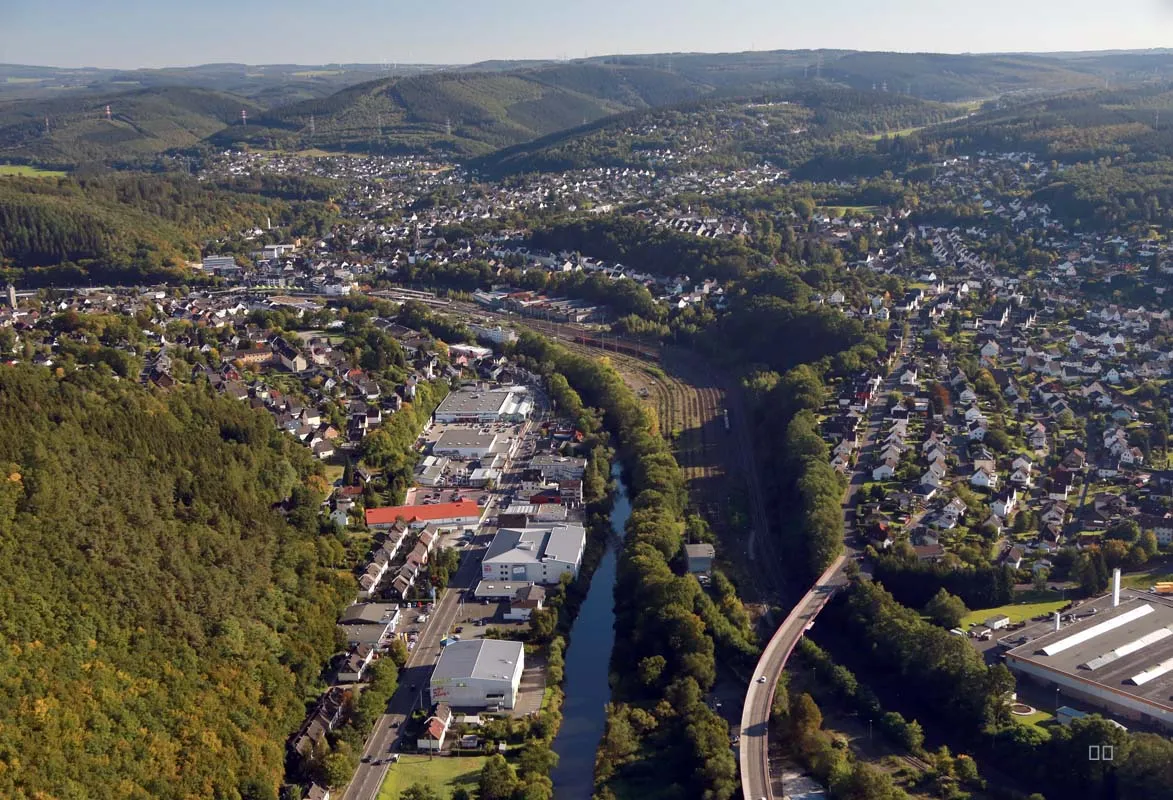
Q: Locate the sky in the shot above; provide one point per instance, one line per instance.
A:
(128, 34)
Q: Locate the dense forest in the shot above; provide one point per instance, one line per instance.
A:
(124, 227)
(164, 622)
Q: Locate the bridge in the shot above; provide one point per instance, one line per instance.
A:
(754, 751)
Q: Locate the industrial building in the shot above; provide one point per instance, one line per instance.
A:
(496, 404)
(480, 673)
(536, 555)
(1116, 654)
(466, 443)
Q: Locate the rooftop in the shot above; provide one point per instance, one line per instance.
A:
(456, 437)
(475, 402)
(519, 545)
(465, 509)
(1127, 649)
(486, 659)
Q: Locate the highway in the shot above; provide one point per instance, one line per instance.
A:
(754, 746)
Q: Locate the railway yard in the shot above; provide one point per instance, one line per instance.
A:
(703, 414)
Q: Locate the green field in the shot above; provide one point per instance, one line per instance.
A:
(443, 774)
(29, 172)
(1143, 580)
(1031, 605)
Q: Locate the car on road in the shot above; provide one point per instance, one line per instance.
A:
(460, 629)
(762, 679)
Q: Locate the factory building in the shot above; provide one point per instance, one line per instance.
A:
(481, 405)
(1114, 655)
(537, 555)
(480, 673)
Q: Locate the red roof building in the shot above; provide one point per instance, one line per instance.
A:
(465, 512)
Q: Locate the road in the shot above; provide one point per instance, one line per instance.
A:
(754, 752)
(371, 771)
(754, 746)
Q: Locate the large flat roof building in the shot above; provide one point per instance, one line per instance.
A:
(1118, 658)
(465, 443)
(495, 404)
(479, 673)
(538, 554)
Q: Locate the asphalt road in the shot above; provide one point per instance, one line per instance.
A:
(369, 776)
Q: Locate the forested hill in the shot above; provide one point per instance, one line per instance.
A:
(162, 623)
(483, 110)
(126, 227)
(785, 126)
(142, 123)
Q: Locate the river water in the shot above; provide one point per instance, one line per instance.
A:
(588, 663)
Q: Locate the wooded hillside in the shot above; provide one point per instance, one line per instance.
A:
(162, 623)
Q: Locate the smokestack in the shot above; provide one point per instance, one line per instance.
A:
(1116, 587)
(1056, 620)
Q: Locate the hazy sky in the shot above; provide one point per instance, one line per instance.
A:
(155, 33)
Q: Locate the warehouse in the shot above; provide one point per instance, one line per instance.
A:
(481, 673)
(1117, 656)
(466, 443)
(497, 404)
(537, 555)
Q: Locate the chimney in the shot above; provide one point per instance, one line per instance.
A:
(1115, 587)
(1056, 620)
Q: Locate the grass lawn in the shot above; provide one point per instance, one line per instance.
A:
(334, 472)
(1042, 720)
(1143, 580)
(444, 774)
(1029, 604)
(29, 172)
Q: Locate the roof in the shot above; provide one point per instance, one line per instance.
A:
(1127, 649)
(484, 659)
(699, 550)
(367, 614)
(466, 509)
(457, 438)
(534, 545)
(474, 402)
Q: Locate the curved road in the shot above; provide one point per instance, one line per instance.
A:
(754, 753)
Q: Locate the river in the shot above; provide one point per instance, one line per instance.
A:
(588, 665)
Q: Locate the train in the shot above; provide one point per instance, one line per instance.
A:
(725, 414)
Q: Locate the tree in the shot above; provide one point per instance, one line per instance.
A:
(536, 759)
(421, 791)
(805, 718)
(945, 609)
(498, 781)
(397, 652)
(460, 793)
(1040, 579)
(339, 767)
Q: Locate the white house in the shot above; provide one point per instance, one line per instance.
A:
(984, 479)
